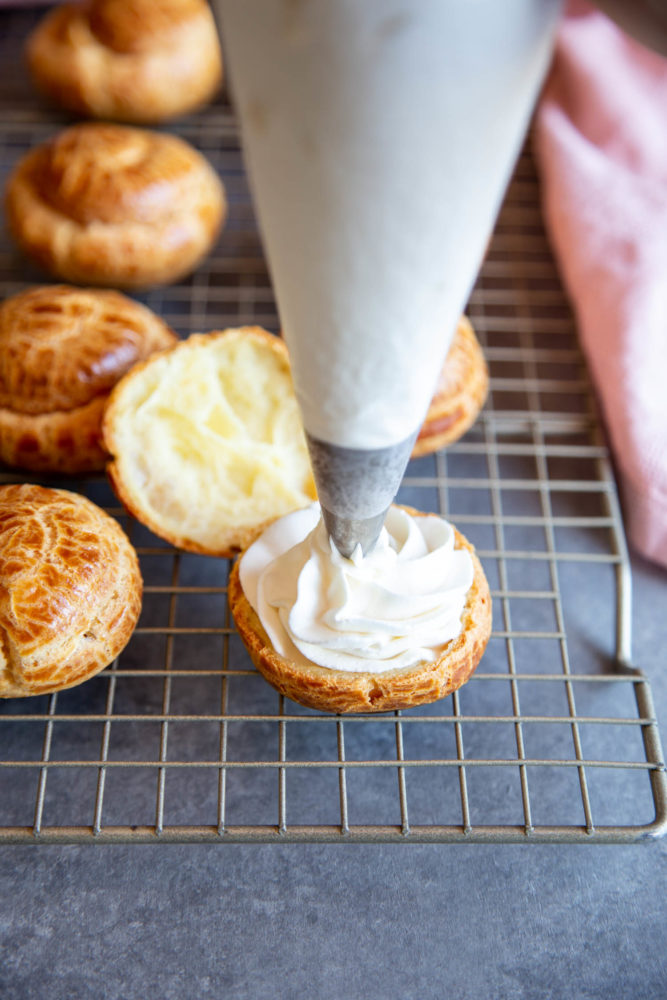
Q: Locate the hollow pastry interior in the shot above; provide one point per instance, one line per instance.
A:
(70, 590)
(135, 61)
(381, 618)
(206, 440)
(110, 205)
(62, 349)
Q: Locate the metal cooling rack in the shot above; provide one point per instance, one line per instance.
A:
(553, 739)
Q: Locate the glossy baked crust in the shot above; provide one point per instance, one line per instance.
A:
(340, 691)
(116, 206)
(62, 350)
(134, 61)
(459, 396)
(70, 590)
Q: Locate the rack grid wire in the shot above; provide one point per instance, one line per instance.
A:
(553, 739)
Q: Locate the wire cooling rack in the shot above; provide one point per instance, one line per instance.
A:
(553, 739)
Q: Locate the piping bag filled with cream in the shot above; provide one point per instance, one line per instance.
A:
(379, 136)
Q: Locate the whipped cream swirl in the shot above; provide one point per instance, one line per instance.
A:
(393, 608)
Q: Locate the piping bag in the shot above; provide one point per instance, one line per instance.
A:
(379, 136)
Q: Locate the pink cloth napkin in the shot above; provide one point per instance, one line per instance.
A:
(601, 144)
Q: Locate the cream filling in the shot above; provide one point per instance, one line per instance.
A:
(394, 608)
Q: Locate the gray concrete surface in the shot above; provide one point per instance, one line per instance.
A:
(320, 922)
(413, 922)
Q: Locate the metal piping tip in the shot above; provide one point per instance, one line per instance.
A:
(356, 487)
(348, 532)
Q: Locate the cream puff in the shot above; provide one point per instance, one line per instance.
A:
(62, 349)
(110, 205)
(137, 61)
(405, 625)
(206, 440)
(70, 590)
(459, 396)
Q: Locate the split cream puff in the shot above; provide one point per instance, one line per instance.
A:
(404, 625)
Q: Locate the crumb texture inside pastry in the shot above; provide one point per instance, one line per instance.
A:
(70, 589)
(207, 440)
